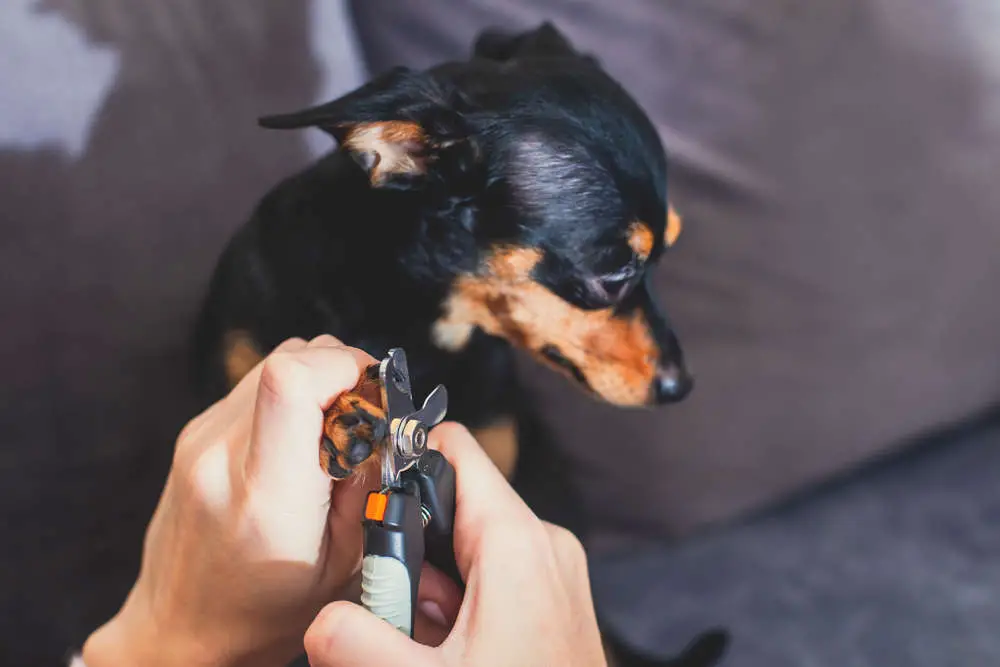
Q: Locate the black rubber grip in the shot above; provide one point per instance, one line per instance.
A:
(400, 535)
(435, 477)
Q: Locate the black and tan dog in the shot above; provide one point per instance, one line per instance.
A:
(517, 198)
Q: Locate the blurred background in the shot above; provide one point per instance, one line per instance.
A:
(829, 491)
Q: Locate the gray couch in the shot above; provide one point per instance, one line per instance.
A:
(836, 165)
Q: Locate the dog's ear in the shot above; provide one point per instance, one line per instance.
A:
(545, 41)
(395, 126)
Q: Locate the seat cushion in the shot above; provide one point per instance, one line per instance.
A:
(895, 567)
(129, 152)
(834, 288)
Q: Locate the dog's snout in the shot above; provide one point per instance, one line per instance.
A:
(672, 384)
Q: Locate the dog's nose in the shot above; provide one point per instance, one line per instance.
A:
(672, 384)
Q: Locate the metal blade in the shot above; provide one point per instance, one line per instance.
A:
(396, 392)
(435, 407)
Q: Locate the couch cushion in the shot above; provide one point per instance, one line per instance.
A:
(129, 151)
(835, 285)
(892, 568)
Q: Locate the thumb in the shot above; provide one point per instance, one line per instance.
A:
(347, 635)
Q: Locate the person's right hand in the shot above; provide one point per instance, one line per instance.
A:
(527, 600)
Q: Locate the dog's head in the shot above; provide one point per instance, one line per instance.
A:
(556, 180)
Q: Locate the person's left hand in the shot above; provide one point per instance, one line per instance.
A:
(250, 539)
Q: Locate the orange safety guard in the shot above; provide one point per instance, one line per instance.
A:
(375, 509)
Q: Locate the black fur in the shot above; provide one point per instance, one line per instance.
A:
(529, 142)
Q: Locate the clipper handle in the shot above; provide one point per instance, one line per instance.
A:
(435, 477)
(393, 555)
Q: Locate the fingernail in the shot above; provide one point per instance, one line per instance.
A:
(433, 611)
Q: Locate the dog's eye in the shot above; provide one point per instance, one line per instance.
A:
(611, 288)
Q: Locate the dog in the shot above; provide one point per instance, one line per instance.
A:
(517, 199)
(514, 200)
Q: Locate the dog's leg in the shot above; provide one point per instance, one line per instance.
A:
(499, 440)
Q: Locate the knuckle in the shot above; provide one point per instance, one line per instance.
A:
(528, 532)
(521, 541)
(325, 340)
(453, 434)
(452, 430)
(321, 638)
(189, 442)
(185, 441)
(293, 343)
(282, 375)
(567, 545)
(202, 478)
(342, 364)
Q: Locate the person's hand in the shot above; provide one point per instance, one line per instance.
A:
(249, 540)
(527, 599)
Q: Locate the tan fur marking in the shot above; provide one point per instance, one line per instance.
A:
(617, 355)
(500, 443)
(674, 227)
(240, 355)
(393, 145)
(640, 238)
(451, 336)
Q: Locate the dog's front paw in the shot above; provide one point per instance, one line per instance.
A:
(352, 426)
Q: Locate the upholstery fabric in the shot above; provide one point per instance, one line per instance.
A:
(894, 567)
(129, 151)
(834, 288)
(835, 164)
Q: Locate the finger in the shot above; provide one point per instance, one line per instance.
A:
(572, 565)
(344, 526)
(325, 340)
(241, 398)
(439, 596)
(282, 463)
(480, 487)
(290, 344)
(232, 407)
(484, 500)
(249, 382)
(438, 602)
(428, 629)
(350, 495)
(346, 635)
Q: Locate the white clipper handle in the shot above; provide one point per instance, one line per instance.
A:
(385, 591)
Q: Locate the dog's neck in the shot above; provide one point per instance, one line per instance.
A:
(386, 259)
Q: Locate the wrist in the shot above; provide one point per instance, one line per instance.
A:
(128, 640)
(125, 641)
(113, 646)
